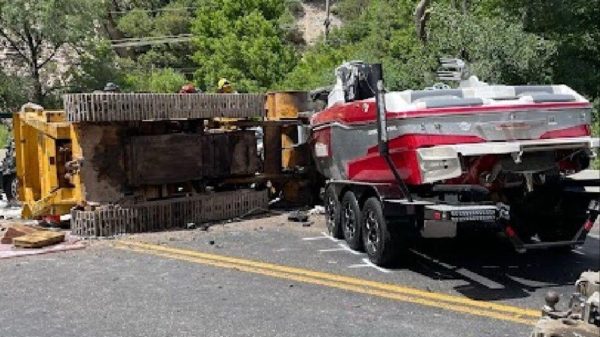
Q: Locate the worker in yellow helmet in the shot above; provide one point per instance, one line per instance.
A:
(224, 87)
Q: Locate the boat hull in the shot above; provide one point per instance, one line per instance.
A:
(344, 138)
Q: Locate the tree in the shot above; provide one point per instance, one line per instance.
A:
(96, 65)
(39, 30)
(158, 20)
(241, 41)
(575, 28)
(497, 50)
(409, 37)
(160, 80)
(12, 92)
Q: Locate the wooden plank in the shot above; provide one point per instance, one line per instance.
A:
(9, 232)
(39, 239)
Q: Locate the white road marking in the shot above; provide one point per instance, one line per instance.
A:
(331, 238)
(341, 247)
(479, 279)
(367, 263)
(331, 250)
(348, 249)
(322, 237)
(314, 238)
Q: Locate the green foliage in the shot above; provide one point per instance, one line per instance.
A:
(383, 31)
(4, 135)
(13, 92)
(315, 69)
(160, 80)
(596, 129)
(243, 42)
(497, 51)
(572, 25)
(154, 19)
(38, 29)
(97, 66)
(56, 22)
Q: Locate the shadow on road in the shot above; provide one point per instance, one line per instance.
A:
(494, 271)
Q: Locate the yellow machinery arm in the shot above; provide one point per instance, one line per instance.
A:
(45, 144)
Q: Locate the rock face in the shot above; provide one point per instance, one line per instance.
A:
(311, 24)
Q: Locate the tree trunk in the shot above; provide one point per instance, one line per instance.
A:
(111, 30)
(421, 17)
(38, 93)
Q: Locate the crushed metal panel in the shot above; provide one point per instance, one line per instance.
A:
(113, 107)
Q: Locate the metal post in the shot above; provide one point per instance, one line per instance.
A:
(382, 134)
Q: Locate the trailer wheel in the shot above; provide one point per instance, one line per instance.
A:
(332, 211)
(11, 187)
(351, 221)
(378, 240)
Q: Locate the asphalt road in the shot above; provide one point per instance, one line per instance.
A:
(283, 280)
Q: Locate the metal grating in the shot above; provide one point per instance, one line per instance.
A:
(120, 107)
(164, 214)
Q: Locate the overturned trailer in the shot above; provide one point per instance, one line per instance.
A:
(433, 163)
(122, 163)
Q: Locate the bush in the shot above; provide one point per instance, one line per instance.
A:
(242, 41)
(4, 135)
(160, 80)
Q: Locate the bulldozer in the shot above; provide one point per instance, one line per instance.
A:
(135, 162)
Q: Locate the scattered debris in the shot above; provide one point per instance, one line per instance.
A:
(317, 210)
(298, 216)
(11, 231)
(582, 315)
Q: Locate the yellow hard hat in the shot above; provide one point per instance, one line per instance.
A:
(222, 83)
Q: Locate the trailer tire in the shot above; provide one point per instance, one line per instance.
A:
(332, 212)
(11, 187)
(379, 242)
(350, 217)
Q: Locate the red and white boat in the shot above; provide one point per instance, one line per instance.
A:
(455, 135)
(430, 162)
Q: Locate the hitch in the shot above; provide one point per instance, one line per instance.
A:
(578, 239)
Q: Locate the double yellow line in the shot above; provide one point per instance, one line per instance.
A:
(356, 285)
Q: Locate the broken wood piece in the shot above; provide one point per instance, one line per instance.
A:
(10, 231)
(39, 239)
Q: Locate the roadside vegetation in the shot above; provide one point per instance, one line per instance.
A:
(156, 46)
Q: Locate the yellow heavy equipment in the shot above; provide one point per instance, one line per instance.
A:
(119, 162)
(45, 144)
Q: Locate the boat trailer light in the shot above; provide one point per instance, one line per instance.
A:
(465, 215)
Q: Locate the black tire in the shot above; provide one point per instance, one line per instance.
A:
(11, 187)
(379, 242)
(332, 212)
(350, 217)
